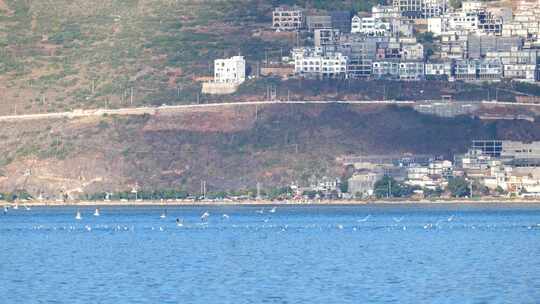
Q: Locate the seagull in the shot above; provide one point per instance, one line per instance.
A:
(364, 219)
(225, 216)
(340, 227)
(164, 214)
(260, 211)
(397, 220)
(273, 210)
(204, 216)
(451, 218)
(179, 222)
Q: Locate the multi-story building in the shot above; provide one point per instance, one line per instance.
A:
(439, 70)
(386, 69)
(314, 22)
(361, 52)
(419, 9)
(341, 20)
(314, 63)
(287, 18)
(326, 37)
(385, 12)
(371, 27)
(478, 69)
(230, 70)
(481, 22)
(394, 69)
(412, 51)
(362, 183)
(479, 45)
(518, 64)
(411, 70)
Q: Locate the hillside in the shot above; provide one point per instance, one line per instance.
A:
(59, 55)
(230, 149)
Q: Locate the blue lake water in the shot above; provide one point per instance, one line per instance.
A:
(307, 254)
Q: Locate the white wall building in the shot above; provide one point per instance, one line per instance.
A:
(230, 70)
(370, 26)
(287, 19)
(313, 62)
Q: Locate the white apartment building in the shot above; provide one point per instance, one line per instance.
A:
(412, 51)
(287, 19)
(230, 70)
(385, 12)
(438, 69)
(313, 62)
(371, 26)
(420, 9)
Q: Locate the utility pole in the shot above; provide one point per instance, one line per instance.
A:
(256, 112)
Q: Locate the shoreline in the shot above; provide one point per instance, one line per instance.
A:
(269, 203)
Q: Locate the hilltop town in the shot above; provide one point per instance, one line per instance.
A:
(472, 41)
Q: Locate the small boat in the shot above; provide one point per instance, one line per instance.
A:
(96, 212)
(16, 207)
(78, 215)
(164, 214)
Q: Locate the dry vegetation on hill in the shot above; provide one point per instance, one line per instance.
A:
(231, 149)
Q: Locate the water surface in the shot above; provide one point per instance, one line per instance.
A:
(298, 254)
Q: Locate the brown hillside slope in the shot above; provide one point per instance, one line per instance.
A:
(232, 148)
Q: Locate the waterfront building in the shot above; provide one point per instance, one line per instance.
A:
(362, 183)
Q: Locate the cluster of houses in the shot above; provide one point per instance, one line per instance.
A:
(504, 167)
(417, 40)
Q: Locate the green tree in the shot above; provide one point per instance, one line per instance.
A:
(389, 187)
(459, 187)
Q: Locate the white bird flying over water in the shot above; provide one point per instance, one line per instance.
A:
(364, 219)
(225, 216)
(205, 216)
(451, 218)
(273, 210)
(398, 219)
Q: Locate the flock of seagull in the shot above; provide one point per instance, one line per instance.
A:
(204, 217)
